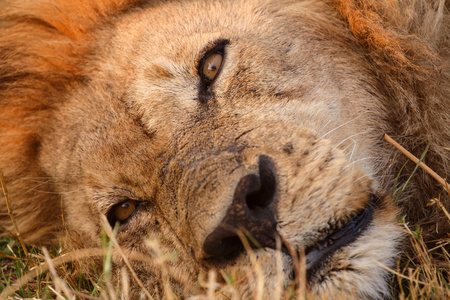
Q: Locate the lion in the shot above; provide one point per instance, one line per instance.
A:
(234, 134)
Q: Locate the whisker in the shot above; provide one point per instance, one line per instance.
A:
(367, 175)
(323, 127)
(342, 125)
(353, 135)
(361, 159)
(348, 146)
(353, 150)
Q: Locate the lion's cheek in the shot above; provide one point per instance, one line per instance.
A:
(321, 187)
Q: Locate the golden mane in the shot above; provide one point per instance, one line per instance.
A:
(42, 48)
(397, 29)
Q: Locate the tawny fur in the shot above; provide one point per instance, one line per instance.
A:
(57, 147)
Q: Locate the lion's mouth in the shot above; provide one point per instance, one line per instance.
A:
(318, 254)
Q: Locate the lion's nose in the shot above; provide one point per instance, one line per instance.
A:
(251, 212)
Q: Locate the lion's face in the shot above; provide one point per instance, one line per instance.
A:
(208, 118)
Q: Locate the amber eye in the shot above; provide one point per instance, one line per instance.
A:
(211, 65)
(121, 212)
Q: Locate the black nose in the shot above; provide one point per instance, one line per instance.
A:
(251, 211)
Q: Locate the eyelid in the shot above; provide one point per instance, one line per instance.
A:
(108, 199)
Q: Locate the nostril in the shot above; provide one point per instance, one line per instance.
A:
(224, 245)
(251, 211)
(265, 194)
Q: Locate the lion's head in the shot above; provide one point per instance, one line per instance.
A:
(200, 124)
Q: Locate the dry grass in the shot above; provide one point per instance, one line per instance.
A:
(422, 273)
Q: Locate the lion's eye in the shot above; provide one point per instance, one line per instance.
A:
(121, 212)
(210, 66)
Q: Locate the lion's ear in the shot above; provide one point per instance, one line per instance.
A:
(42, 44)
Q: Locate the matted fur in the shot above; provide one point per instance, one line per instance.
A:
(76, 80)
